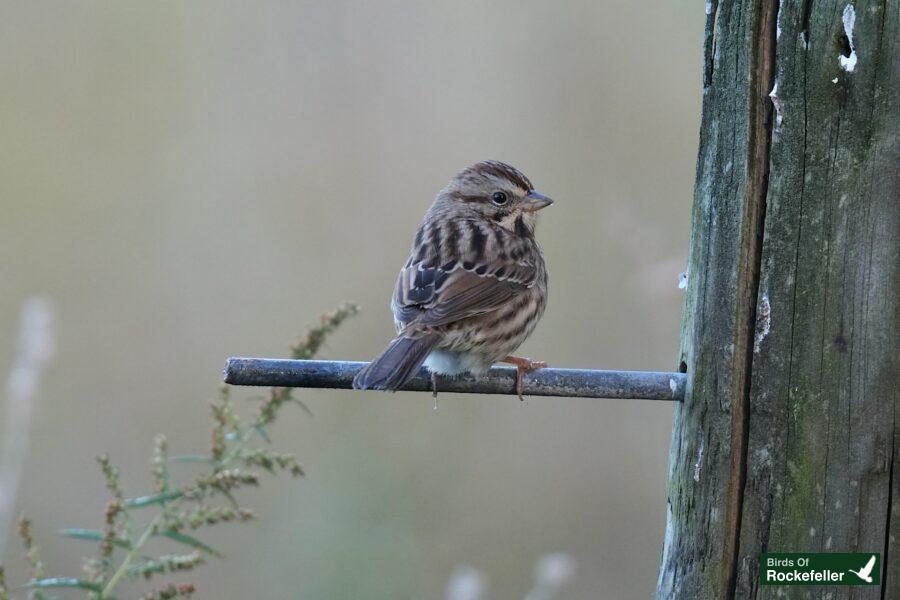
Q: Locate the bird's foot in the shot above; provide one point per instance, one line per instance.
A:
(523, 366)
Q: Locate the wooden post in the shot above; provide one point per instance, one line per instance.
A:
(786, 438)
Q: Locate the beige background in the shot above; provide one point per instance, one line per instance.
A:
(191, 181)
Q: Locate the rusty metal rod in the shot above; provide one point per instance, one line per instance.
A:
(575, 383)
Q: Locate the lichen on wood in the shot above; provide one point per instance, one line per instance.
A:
(789, 334)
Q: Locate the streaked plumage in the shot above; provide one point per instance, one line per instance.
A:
(475, 284)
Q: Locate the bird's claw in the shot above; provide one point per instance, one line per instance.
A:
(523, 366)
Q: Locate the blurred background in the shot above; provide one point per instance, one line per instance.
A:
(189, 181)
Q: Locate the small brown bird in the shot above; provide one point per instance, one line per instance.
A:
(475, 284)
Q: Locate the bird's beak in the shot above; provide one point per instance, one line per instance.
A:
(535, 201)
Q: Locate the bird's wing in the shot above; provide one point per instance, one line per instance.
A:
(430, 295)
(868, 568)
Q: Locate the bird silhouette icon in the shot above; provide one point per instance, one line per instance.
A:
(866, 572)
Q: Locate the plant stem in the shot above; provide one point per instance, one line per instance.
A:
(152, 528)
(126, 562)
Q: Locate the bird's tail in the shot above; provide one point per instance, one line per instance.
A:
(396, 365)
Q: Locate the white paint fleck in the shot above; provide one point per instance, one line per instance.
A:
(673, 386)
(828, 543)
(698, 465)
(848, 63)
(776, 102)
(812, 532)
(683, 280)
(763, 322)
(837, 505)
(709, 6)
(728, 166)
(835, 80)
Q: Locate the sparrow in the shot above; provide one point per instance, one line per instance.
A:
(475, 284)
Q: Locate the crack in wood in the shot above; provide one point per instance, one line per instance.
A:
(890, 505)
(753, 223)
(709, 43)
(796, 436)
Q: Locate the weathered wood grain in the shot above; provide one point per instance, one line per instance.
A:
(785, 441)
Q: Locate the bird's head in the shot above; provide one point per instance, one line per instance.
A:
(495, 191)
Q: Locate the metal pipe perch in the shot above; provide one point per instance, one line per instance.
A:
(576, 383)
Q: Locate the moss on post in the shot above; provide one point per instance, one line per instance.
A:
(785, 441)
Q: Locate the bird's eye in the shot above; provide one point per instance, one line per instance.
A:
(499, 198)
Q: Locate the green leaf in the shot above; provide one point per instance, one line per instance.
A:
(190, 541)
(154, 499)
(94, 536)
(192, 458)
(64, 582)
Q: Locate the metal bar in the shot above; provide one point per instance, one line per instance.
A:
(576, 383)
